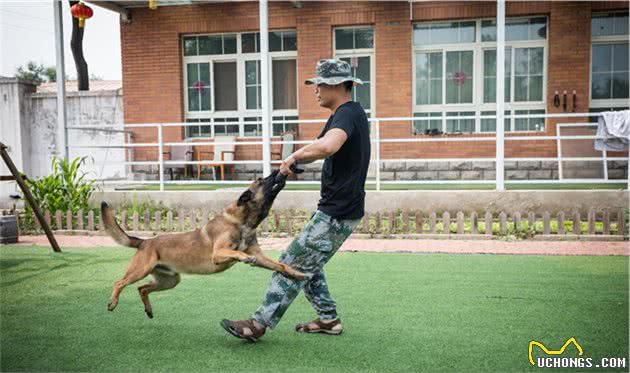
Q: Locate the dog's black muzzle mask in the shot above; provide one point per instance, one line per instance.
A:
(272, 185)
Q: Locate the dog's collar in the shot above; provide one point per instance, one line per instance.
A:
(231, 218)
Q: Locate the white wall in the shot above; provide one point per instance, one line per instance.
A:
(13, 131)
(93, 109)
(28, 125)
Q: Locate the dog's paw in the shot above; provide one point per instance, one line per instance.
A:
(111, 306)
(149, 313)
(296, 274)
(251, 260)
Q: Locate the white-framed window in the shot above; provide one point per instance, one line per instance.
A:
(222, 75)
(252, 85)
(454, 74)
(202, 130)
(355, 45)
(198, 86)
(609, 61)
(280, 125)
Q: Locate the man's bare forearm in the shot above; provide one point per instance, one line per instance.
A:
(311, 152)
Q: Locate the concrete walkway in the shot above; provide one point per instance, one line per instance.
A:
(400, 245)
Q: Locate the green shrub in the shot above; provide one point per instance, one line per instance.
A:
(141, 207)
(65, 188)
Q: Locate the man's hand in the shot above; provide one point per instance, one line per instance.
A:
(285, 167)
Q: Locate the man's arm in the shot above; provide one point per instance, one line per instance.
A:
(320, 149)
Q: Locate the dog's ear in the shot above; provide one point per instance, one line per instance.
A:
(244, 198)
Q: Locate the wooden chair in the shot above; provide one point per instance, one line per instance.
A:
(221, 152)
(178, 153)
(286, 149)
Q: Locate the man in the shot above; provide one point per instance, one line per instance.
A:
(344, 143)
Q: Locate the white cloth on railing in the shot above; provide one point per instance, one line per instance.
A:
(616, 126)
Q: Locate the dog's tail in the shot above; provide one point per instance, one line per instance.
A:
(115, 231)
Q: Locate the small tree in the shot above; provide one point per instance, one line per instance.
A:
(38, 73)
(33, 72)
(51, 74)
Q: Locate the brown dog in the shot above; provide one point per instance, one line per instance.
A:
(228, 238)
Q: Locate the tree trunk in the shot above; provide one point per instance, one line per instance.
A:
(76, 45)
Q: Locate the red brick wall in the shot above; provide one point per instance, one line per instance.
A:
(152, 63)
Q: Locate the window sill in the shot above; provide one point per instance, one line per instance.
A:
(458, 134)
(192, 139)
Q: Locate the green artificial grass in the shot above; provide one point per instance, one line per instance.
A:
(435, 186)
(401, 313)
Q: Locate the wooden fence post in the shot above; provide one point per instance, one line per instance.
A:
(37, 223)
(204, 216)
(58, 225)
(181, 217)
(405, 221)
(158, 220)
(419, 222)
(621, 223)
(591, 221)
(503, 222)
(90, 226)
(265, 225)
(169, 220)
(80, 219)
(516, 218)
(546, 223)
(276, 221)
(193, 218)
(136, 221)
(289, 222)
(446, 222)
(392, 222)
(69, 220)
(561, 222)
(531, 219)
(577, 229)
(460, 222)
(488, 219)
(123, 219)
(147, 221)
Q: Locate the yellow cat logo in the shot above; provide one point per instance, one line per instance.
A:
(553, 352)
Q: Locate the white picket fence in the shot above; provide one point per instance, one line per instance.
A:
(598, 224)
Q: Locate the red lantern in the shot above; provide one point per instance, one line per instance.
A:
(82, 12)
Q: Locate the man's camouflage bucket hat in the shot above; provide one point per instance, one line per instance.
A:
(333, 72)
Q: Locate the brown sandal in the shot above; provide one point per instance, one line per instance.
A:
(244, 329)
(318, 326)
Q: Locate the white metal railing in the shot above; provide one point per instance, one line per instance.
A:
(376, 124)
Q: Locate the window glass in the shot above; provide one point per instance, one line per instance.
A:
(284, 84)
(225, 86)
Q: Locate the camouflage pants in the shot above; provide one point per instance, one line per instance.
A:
(317, 243)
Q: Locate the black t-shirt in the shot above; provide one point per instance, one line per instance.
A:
(344, 173)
